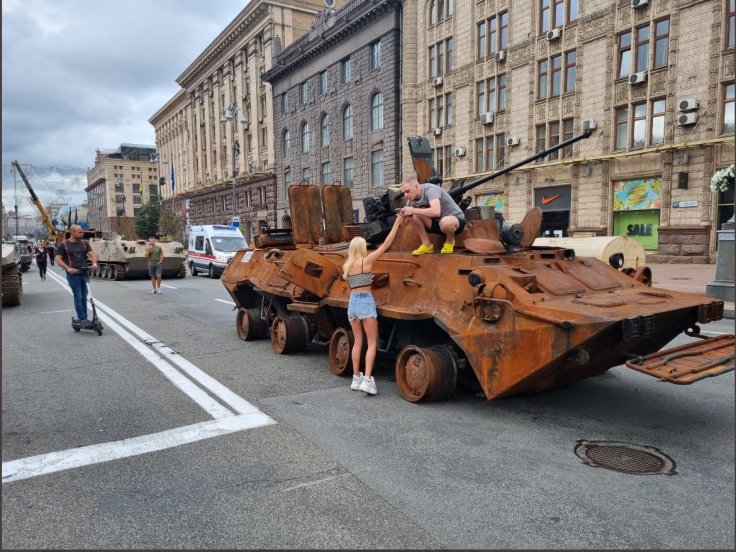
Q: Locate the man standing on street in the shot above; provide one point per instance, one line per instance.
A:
(71, 256)
(155, 257)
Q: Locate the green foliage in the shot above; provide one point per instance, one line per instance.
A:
(170, 224)
(146, 223)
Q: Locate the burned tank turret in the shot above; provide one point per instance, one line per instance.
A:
(12, 278)
(497, 314)
(119, 259)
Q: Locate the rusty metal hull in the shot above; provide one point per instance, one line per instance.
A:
(518, 322)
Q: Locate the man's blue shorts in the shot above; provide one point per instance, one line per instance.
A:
(154, 270)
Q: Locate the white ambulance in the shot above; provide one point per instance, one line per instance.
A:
(212, 247)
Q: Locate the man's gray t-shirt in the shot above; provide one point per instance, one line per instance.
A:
(447, 204)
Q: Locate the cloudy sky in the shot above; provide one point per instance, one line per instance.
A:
(78, 75)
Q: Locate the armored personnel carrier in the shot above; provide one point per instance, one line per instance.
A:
(12, 287)
(119, 259)
(24, 250)
(498, 314)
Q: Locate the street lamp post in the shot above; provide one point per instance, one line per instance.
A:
(229, 113)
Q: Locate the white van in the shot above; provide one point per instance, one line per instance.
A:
(212, 247)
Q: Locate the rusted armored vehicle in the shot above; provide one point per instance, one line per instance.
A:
(24, 251)
(12, 287)
(119, 259)
(498, 313)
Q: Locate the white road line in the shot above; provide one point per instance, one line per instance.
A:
(226, 302)
(42, 464)
(168, 286)
(53, 312)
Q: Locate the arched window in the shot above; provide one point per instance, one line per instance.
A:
(377, 111)
(305, 138)
(286, 144)
(325, 131)
(347, 122)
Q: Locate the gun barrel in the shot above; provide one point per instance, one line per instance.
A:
(457, 193)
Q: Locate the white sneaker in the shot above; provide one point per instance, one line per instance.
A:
(158, 290)
(368, 385)
(357, 380)
(152, 291)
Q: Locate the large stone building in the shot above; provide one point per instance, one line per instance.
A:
(501, 80)
(217, 131)
(120, 182)
(337, 103)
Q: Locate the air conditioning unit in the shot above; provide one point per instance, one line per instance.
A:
(688, 105)
(554, 34)
(512, 141)
(437, 81)
(639, 3)
(486, 118)
(437, 131)
(500, 55)
(687, 119)
(589, 124)
(460, 151)
(638, 78)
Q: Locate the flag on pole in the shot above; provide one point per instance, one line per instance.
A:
(172, 176)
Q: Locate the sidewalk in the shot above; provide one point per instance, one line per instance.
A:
(690, 278)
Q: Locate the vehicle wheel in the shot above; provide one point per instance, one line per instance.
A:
(340, 351)
(212, 272)
(289, 334)
(425, 373)
(98, 329)
(192, 269)
(76, 329)
(249, 325)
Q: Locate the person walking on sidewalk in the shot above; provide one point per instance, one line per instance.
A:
(72, 256)
(42, 259)
(51, 249)
(155, 257)
(362, 314)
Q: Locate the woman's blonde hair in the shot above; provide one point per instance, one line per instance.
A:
(358, 248)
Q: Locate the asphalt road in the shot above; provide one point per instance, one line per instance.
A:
(173, 433)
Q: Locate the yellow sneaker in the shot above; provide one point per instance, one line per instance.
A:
(422, 249)
(448, 248)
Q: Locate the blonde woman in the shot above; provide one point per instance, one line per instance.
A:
(358, 271)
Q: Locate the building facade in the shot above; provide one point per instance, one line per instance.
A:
(119, 184)
(337, 104)
(217, 131)
(491, 82)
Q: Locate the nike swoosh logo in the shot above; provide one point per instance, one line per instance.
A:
(546, 200)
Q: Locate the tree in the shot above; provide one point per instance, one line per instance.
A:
(170, 224)
(146, 222)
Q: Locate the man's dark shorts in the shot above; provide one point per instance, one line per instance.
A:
(154, 270)
(435, 226)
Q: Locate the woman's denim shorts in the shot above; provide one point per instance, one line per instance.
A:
(361, 306)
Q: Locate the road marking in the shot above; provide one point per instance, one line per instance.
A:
(53, 312)
(168, 286)
(317, 482)
(42, 464)
(226, 302)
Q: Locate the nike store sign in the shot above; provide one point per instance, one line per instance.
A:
(555, 198)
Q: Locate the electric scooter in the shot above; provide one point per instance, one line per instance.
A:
(94, 324)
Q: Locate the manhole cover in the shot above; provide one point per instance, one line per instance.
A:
(625, 457)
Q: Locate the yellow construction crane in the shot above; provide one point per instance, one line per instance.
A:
(53, 234)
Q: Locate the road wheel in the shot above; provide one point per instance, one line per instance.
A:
(289, 334)
(425, 373)
(193, 269)
(340, 350)
(249, 325)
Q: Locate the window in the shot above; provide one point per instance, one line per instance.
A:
(637, 61)
(622, 128)
(554, 139)
(441, 57)
(497, 37)
(377, 168)
(657, 127)
(323, 83)
(624, 54)
(119, 188)
(326, 173)
(542, 79)
(479, 155)
(285, 102)
(490, 153)
(377, 111)
(325, 131)
(501, 92)
(448, 108)
(570, 70)
(642, 48)
(567, 129)
(439, 10)
(555, 13)
(346, 71)
(348, 172)
(136, 211)
(662, 42)
(481, 97)
(153, 189)
(639, 126)
(482, 39)
(347, 122)
(442, 160)
(376, 55)
(136, 188)
(286, 144)
(303, 93)
(552, 83)
(305, 138)
(731, 24)
(432, 113)
(541, 140)
(556, 75)
(306, 175)
(492, 94)
(287, 180)
(728, 108)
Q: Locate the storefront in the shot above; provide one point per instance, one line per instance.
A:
(497, 201)
(636, 206)
(555, 205)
